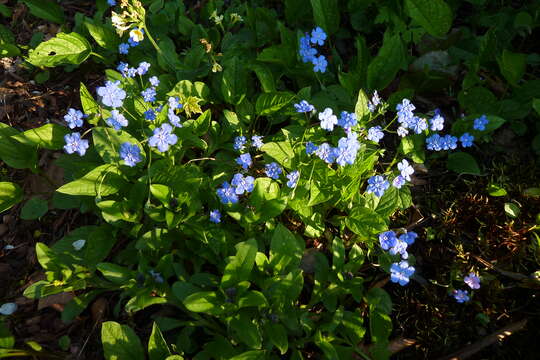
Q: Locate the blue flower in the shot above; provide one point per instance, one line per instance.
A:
(437, 122)
(398, 182)
(150, 115)
(123, 68)
(130, 153)
(123, 48)
(293, 177)
(400, 247)
(215, 216)
(304, 107)
(244, 160)
(143, 68)
(375, 134)
(472, 280)
(401, 131)
(377, 185)
(406, 169)
(387, 239)
(256, 141)
(156, 276)
(409, 237)
(319, 63)
(173, 118)
(347, 120)
(306, 51)
(461, 296)
(417, 124)
(433, 142)
(131, 72)
(273, 170)
(449, 142)
(174, 103)
(111, 94)
(239, 143)
(243, 184)
(347, 149)
(328, 119)
(311, 148)
(74, 143)
(149, 95)
(318, 36)
(154, 81)
(117, 120)
(480, 123)
(326, 153)
(374, 102)
(111, 2)
(466, 140)
(401, 272)
(74, 118)
(405, 111)
(227, 193)
(163, 138)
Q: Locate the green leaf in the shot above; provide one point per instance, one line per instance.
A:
(463, 163)
(536, 105)
(102, 181)
(9, 50)
(203, 301)
(496, 190)
(78, 304)
(380, 325)
(120, 342)
(34, 208)
(512, 210)
(7, 340)
(234, 82)
(269, 103)
(239, 268)
(326, 14)
(48, 136)
(65, 48)
(361, 109)
(246, 330)
(250, 355)
(285, 250)
(89, 105)
(104, 35)
(512, 66)
(17, 155)
(107, 142)
(157, 346)
(252, 299)
(338, 254)
(5, 11)
(281, 151)
(278, 336)
(265, 76)
(327, 348)
(47, 10)
(115, 273)
(435, 16)
(10, 194)
(385, 66)
(365, 222)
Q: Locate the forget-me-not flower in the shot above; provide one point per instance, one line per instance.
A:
(215, 216)
(244, 160)
(130, 153)
(293, 177)
(123, 48)
(111, 94)
(377, 185)
(227, 193)
(328, 119)
(461, 296)
(472, 280)
(466, 140)
(256, 141)
(375, 133)
(117, 120)
(243, 184)
(480, 123)
(74, 143)
(318, 36)
(401, 272)
(405, 169)
(74, 118)
(239, 143)
(304, 106)
(163, 138)
(273, 170)
(319, 63)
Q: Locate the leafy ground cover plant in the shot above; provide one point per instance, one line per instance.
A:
(207, 191)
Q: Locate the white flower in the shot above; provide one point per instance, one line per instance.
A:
(8, 308)
(79, 244)
(136, 35)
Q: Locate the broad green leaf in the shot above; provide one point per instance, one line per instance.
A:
(9, 50)
(108, 141)
(204, 301)
(17, 155)
(246, 330)
(89, 105)
(269, 103)
(327, 348)
(380, 325)
(338, 254)
(536, 105)
(120, 342)
(365, 222)
(361, 109)
(65, 48)
(385, 66)
(326, 15)
(252, 298)
(34, 208)
(250, 355)
(157, 346)
(512, 65)
(104, 35)
(463, 163)
(265, 76)
(7, 340)
(281, 151)
(286, 287)
(142, 300)
(48, 136)
(47, 10)
(5, 11)
(234, 82)
(511, 210)
(239, 268)
(478, 100)
(115, 273)
(10, 194)
(102, 181)
(435, 16)
(413, 147)
(285, 250)
(78, 304)
(278, 336)
(41, 289)
(496, 190)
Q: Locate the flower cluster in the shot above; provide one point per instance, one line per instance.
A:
(400, 272)
(473, 281)
(309, 54)
(241, 141)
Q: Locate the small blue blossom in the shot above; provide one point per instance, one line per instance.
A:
(401, 272)
(239, 143)
(130, 153)
(347, 149)
(347, 120)
(74, 118)
(326, 153)
(417, 124)
(227, 193)
(437, 122)
(293, 177)
(173, 118)
(131, 72)
(398, 182)
(400, 247)
(111, 94)
(111, 2)
(449, 142)
(472, 280)
(122, 68)
(466, 140)
(154, 81)
(409, 237)
(156, 276)
(256, 141)
(273, 170)
(149, 95)
(306, 51)
(374, 102)
(377, 185)
(74, 143)
(318, 36)
(244, 160)
(143, 68)
(163, 138)
(311, 148)
(461, 296)
(304, 107)
(405, 169)
(480, 123)
(401, 131)
(243, 184)
(150, 115)
(215, 216)
(123, 48)
(328, 119)
(405, 111)
(387, 240)
(174, 102)
(319, 63)
(117, 120)
(375, 134)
